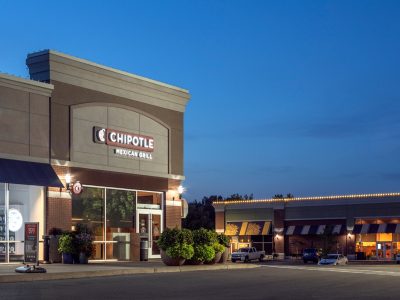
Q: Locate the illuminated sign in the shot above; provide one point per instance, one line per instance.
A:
(77, 188)
(135, 145)
(15, 220)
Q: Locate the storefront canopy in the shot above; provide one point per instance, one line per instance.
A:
(376, 228)
(29, 173)
(248, 228)
(314, 229)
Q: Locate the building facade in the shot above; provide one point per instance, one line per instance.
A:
(365, 226)
(112, 145)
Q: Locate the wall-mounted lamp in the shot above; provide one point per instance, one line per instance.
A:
(68, 180)
(180, 191)
(277, 237)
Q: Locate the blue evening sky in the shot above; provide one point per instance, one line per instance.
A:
(287, 96)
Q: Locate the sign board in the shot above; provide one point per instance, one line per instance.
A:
(77, 188)
(31, 244)
(185, 208)
(132, 144)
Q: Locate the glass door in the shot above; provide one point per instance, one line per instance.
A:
(149, 228)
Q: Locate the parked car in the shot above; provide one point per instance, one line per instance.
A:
(334, 259)
(398, 258)
(311, 254)
(248, 254)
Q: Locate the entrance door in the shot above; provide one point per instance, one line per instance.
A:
(149, 228)
(384, 250)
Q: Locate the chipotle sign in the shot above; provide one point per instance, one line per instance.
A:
(122, 139)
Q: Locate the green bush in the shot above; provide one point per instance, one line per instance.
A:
(169, 238)
(185, 237)
(181, 251)
(204, 237)
(203, 253)
(66, 244)
(224, 240)
(218, 247)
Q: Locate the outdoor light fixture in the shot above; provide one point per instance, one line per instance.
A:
(68, 180)
(180, 191)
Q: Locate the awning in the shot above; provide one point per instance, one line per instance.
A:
(376, 228)
(313, 229)
(29, 173)
(248, 228)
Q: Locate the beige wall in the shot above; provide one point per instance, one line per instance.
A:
(84, 150)
(24, 121)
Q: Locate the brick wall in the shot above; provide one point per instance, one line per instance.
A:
(220, 221)
(58, 213)
(173, 218)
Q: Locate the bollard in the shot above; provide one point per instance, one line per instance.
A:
(46, 249)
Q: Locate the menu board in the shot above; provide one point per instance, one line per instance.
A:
(31, 244)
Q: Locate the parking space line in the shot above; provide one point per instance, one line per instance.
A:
(338, 270)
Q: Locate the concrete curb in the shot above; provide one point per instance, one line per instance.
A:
(118, 272)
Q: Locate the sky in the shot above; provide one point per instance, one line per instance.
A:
(299, 97)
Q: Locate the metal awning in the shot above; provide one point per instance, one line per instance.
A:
(376, 228)
(29, 173)
(248, 228)
(313, 229)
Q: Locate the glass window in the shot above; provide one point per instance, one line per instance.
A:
(2, 223)
(88, 209)
(149, 200)
(120, 225)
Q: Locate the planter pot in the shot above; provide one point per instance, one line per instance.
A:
(193, 262)
(169, 261)
(83, 259)
(224, 256)
(216, 259)
(54, 255)
(67, 258)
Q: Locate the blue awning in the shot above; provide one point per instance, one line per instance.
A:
(29, 173)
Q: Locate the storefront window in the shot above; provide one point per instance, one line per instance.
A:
(149, 200)
(113, 218)
(88, 208)
(121, 208)
(18, 205)
(2, 223)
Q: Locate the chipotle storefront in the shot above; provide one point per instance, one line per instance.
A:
(114, 142)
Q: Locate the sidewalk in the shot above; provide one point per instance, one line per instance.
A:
(98, 269)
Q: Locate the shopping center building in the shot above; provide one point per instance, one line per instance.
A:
(365, 226)
(82, 143)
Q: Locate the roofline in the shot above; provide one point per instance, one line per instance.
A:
(25, 84)
(315, 198)
(84, 61)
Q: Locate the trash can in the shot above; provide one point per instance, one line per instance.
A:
(46, 249)
(144, 250)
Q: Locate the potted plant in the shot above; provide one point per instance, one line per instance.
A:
(176, 246)
(66, 247)
(83, 243)
(54, 255)
(203, 240)
(225, 241)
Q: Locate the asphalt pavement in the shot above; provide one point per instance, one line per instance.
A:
(266, 282)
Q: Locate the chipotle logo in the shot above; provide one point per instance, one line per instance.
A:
(123, 139)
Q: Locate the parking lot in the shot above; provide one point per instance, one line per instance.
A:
(269, 281)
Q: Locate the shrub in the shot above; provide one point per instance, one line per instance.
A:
(181, 251)
(185, 237)
(66, 243)
(224, 240)
(203, 253)
(218, 247)
(204, 237)
(169, 238)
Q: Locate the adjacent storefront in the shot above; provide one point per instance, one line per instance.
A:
(363, 227)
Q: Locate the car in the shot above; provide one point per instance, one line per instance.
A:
(398, 258)
(247, 254)
(334, 260)
(311, 254)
